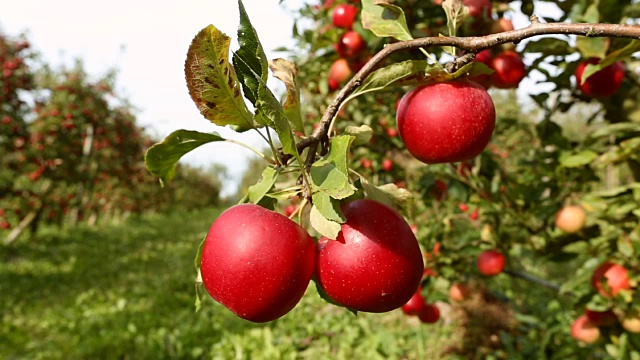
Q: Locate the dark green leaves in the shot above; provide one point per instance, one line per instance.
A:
(161, 159)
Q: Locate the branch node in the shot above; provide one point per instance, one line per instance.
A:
(534, 19)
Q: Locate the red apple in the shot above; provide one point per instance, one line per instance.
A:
(365, 163)
(603, 83)
(439, 189)
(257, 262)
(446, 122)
(616, 278)
(485, 57)
(392, 132)
(5, 225)
(463, 207)
(501, 25)
(584, 330)
(509, 70)
(375, 265)
(387, 164)
(459, 292)
(414, 305)
(474, 214)
(340, 71)
(571, 219)
(491, 262)
(344, 15)
(289, 210)
(429, 314)
(601, 318)
(351, 45)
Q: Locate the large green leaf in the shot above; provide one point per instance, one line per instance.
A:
(262, 187)
(161, 159)
(385, 19)
(212, 81)
(250, 60)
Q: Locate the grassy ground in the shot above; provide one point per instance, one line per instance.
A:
(126, 291)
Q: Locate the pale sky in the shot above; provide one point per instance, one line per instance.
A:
(148, 45)
(147, 42)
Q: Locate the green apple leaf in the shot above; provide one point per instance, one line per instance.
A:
(212, 81)
(385, 19)
(456, 14)
(287, 72)
(339, 152)
(161, 159)
(573, 160)
(262, 187)
(322, 225)
(329, 179)
(328, 207)
(362, 134)
(250, 60)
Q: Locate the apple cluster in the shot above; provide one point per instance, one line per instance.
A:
(351, 47)
(258, 263)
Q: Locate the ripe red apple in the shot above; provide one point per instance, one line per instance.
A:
(344, 15)
(5, 225)
(616, 278)
(603, 83)
(459, 292)
(340, 71)
(584, 330)
(392, 132)
(474, 214)
(601, 318)
(509, 70)
(429, 314)
(491, 262)
(485, 57)
(290, 209)
(351, 45)
(387, 164)
(257, 262)
(501, 25)
(463, 207)
(446, 122)
(571, 219)
(375, 265)
(365, 163)
(414, 305)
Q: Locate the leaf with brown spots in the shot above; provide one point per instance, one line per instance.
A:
(287, 72)
(212, 81)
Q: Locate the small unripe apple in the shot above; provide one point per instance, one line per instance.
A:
(615, 276)
(414, 305)
(604, 83)
(257, 262)
(344, 15)
(459, 292)
(491, 263)
(571, 219)
(429, 314)
(584, 330)
(375, 265)
(509, 70)
(446, 122)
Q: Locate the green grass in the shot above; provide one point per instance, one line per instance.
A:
(126, 291)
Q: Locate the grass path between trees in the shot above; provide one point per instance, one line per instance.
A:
(126, 291)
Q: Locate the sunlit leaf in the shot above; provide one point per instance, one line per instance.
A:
(385, 19)
(262, 187)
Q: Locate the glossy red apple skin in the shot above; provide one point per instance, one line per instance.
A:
(350, 45)
(414, 305)
(375, 265)
(491, 263)
(604, 83)
(614, 275)
(570, 219)
(257, 262)
(344, 16)
(584, 330)
(429, 314)
(509, 70)
(446, 122)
